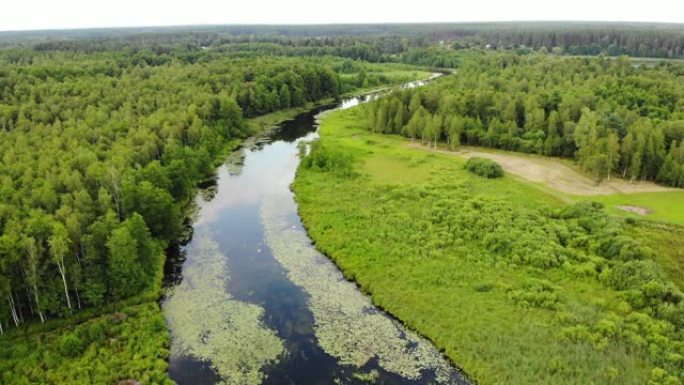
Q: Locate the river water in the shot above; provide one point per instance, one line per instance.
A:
(251, 301)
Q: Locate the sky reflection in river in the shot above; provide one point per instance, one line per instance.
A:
(208, 324)
(259, 305)
(347, 324)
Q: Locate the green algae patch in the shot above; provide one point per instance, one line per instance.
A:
(346, 323)
(210, 325)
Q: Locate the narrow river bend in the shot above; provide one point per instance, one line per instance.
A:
(253, 302)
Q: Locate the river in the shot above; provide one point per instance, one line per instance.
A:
(251, 301)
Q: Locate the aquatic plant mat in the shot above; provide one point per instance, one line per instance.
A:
(208, 324)
(347, 325)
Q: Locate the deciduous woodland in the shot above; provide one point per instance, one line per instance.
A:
(380, 42)
(105, 136)
(100, 155)
(614, 117)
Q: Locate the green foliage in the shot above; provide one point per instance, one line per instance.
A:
(484, 167)
(436, 45)
(128, 345)
(535, 293)
(102, 140)
(125, 272)
(613, 117)
(488, 275)
(100, 153)
(70, 345)
(327, 159)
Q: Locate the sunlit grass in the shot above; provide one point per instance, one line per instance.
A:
(457, 295)
(664, 206)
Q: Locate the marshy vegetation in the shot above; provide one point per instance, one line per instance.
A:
(495, 271)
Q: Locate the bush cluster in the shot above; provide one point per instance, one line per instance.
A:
(484, 167)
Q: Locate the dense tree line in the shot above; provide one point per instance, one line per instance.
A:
(614, 39)
(612, 116)
(422, 44)
(432, 57)
(100, 153)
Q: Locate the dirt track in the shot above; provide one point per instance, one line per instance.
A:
(554, 173)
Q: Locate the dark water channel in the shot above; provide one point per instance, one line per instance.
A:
(253, 302)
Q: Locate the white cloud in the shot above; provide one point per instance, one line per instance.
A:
(46, 14)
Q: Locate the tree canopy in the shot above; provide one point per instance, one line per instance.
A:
(612, 115)
(100, 153)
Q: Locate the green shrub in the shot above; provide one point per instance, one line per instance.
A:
(484, 287)
(70, 345)
(632, 275)
(327, 159)
(484, 167)
(536, 293)
(97, 331)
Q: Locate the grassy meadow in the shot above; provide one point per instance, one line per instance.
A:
(667, 206)
(514, 284)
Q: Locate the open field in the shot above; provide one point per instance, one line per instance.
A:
(555, 173)
(665, 206)
(621, 197)
(470, 262)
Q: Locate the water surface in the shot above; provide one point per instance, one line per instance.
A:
(253, 302)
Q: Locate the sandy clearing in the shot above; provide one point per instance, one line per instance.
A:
(634, 209)
(553, 173)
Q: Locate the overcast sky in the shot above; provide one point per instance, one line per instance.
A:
(47, 14)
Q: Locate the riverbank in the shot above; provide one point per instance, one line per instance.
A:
(81, 351)
(293, 306)
(268, 122)
(474, 264)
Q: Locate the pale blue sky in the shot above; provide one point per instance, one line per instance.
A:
(46, 14)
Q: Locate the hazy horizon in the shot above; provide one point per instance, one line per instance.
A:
(37, 15)
(389, 23)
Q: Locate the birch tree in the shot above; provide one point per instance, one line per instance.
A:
(59, 248)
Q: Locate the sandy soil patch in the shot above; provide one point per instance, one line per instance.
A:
(553, 173)
(634, 209)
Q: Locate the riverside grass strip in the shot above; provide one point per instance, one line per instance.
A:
(515, 285)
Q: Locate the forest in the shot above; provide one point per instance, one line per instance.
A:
(100, 156)
(611, 115)
(377, 42)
